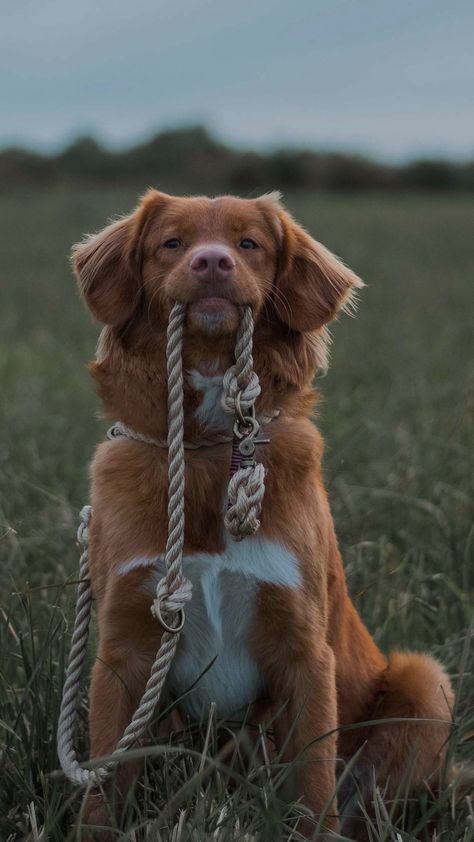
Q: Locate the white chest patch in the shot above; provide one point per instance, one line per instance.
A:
(218, 622)
(210, 413)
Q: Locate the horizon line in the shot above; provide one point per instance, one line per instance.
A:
(111, 145)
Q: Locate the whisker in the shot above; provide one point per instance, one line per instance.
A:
(279, 296)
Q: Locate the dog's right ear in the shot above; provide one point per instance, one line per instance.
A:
(106, 269)
(108, 265)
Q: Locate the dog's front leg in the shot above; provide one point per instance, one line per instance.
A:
(299, 673)
(129, 640)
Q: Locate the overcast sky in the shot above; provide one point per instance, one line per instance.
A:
(393, 78)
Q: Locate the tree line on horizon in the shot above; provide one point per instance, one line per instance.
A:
(191, 159)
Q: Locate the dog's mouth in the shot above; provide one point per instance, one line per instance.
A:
(213, 315)
(213, 304)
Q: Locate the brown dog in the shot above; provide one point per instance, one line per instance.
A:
(274, 608)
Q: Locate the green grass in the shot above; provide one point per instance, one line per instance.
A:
(397, 417)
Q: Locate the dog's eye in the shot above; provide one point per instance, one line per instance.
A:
(174, 243)
(247, 243)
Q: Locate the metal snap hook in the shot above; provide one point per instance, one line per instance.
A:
(238, 409)
(246, 429)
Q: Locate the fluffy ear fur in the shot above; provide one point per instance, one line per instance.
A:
(312, 285)
(108, 273)
(107, 265)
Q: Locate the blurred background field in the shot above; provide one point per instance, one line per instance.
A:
(361, 113)
(193, 159)
(396, 412)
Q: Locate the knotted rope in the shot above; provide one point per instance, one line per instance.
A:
(173, 591)
(241, 388)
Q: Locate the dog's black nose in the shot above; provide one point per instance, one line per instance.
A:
(212, 263)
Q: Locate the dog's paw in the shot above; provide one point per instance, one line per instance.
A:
(96, 821)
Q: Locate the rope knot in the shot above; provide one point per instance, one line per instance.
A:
(168, 605)
(231, 388)
(246, 491)
(83, 528)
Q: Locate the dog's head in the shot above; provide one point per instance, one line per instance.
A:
(212, 254)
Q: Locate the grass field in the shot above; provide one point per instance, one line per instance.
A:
(397, 417)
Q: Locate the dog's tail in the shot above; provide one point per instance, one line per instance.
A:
(417, 685)
(406, 744)
(416, 702)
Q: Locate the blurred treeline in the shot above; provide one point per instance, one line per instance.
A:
(190, 160)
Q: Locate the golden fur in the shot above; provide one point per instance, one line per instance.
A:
(325, 670)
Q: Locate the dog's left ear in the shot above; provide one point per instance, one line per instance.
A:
(312, 285)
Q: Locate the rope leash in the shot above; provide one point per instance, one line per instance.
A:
(246, 490)
(119, 430)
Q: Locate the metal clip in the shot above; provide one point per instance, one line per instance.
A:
(248, 429)
(241, 418)
(247, 446)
